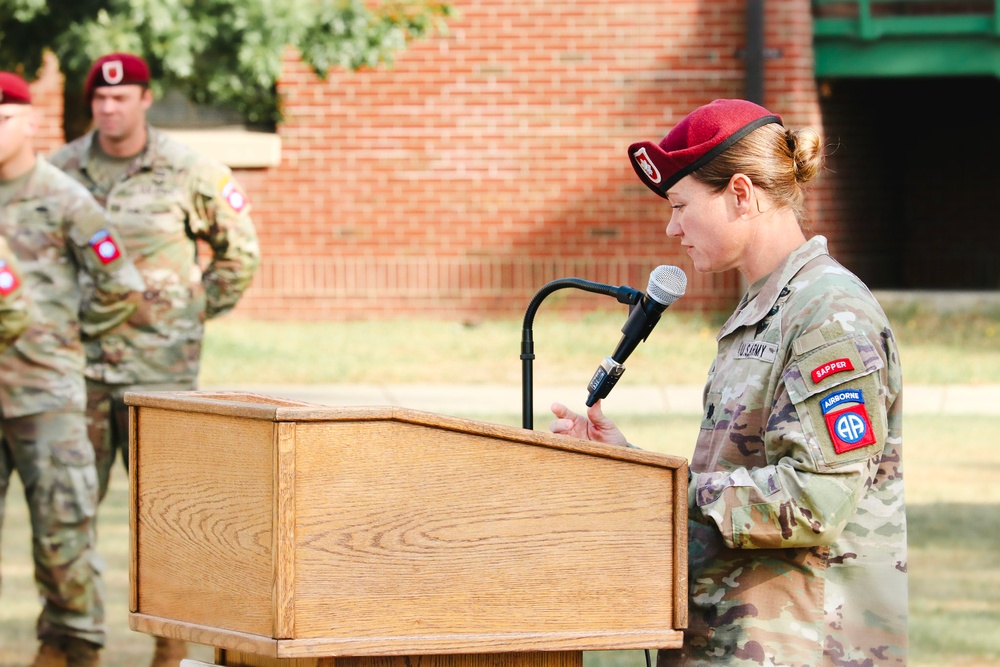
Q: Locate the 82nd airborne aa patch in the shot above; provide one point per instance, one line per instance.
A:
(8, 279)
(849, 428)
(104, 246)
(232, 195)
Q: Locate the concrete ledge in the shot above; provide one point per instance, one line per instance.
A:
(941, 301)
(234, 147)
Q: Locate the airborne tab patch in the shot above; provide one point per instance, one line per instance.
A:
(838, 397)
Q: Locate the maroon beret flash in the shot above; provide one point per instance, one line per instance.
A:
(13, 89)
(704, 134)
(116, 69)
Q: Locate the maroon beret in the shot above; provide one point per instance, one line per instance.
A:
(116, 69)
(703, 135)
(13, 89)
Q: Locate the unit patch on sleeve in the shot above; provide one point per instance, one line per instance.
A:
(104, 246)
(8, 279)
(849, 427)
(233, 196)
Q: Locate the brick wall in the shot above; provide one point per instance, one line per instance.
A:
(47, 98)
(487, 162)
(490, 161)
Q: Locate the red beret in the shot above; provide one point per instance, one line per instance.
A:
(13, 89)
(704, 134)
(116, 69)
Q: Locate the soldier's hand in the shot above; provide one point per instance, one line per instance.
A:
(595, 426)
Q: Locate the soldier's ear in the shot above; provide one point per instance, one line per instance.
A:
(147, 98)
(743, 192)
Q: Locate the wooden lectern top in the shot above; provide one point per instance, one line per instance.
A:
(292, 530)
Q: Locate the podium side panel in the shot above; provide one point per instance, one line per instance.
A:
(204, 503)
(428, 536)
(283, 547)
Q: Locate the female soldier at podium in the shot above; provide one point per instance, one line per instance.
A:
(797, 531)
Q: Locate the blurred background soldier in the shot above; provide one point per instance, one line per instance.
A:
(163, 197)
(79, 281)
(13, 304)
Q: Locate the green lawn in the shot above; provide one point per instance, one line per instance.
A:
(951, 462)
(935, 350)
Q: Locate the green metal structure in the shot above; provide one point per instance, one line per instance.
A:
(894, 38)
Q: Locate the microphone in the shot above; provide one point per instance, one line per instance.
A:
(666, 285)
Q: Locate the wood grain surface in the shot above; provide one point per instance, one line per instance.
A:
(387, 532)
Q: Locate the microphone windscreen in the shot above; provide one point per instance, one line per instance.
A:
(666, 284)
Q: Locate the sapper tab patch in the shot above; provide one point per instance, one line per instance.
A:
(104, 246)
(8, 279)
(831, 368)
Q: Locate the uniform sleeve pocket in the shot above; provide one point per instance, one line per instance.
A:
(835, 364)
(837, 395)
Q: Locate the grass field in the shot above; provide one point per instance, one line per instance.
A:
(951, 463)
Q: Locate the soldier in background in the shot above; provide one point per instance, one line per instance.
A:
(163, 197)
(797, 527)
(14, 315)
(80, 283)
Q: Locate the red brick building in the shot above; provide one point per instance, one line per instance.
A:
(491, 160)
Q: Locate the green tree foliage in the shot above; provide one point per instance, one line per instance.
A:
(217, 52)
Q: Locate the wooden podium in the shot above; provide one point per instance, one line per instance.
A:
(285, 533)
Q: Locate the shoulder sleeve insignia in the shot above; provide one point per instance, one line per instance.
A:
(231, 193)
(9, 281)
(849, 427)
(104, 246)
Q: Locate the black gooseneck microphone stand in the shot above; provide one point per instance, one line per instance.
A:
(623, 294)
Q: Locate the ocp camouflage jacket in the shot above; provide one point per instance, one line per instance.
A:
(797, 534)
(13, 303)
(79, 283)
(170, 198)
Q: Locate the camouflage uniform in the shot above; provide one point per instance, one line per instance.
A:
(169, 197)
(13, 304)
(797, 532)
(79, 282)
